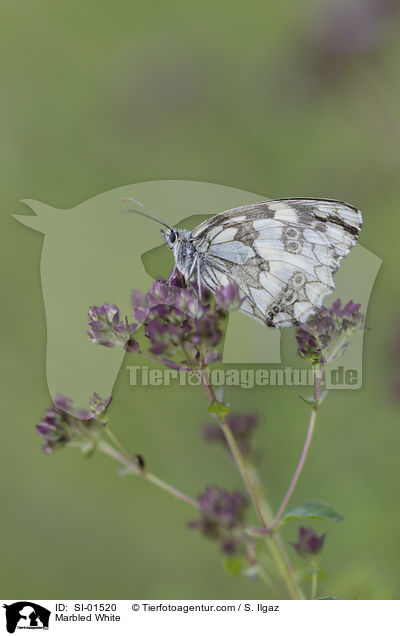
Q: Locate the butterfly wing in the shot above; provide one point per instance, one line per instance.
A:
(282, 254)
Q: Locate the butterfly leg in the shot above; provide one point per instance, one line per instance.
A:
(195, 263)
(198, 278)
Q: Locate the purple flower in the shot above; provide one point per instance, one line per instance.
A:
(229, 546)
(220, 513)
(242, 427)
(309, 543)
(221, 507)
(326, 336)
(64, 423)
(97, 405)
(63, 403)
(132, 346)
(176, 322)
(106, 327)
(229, 298)
(350, 27)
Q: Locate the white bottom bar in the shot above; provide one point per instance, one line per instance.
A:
(157, 617)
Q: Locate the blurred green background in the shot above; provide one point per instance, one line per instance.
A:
(287, 99)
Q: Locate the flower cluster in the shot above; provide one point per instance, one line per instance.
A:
(326, 336)
(220, 513)
(242, 427)
(107, 328)
(64, 423)
(177, 320)
(308, 543)
(228, 298)
(343, 29)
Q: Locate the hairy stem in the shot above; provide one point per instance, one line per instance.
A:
(299, 468)
(138, 470)
(306, 448)
(314, 580)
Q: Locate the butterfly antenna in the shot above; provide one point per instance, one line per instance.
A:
(152, 214)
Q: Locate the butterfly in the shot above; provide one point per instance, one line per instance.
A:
(282, 254)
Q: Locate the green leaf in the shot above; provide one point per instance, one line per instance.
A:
(311, 400)
(219, 409)
(308, 400)
(88, 449)
(233, 565)
(313, 510)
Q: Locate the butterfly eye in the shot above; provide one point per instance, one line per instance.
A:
(172, 236)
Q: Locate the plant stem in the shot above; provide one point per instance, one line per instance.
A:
(299, 468)
(235, 453)
(129, 463)
(171, 489)
(155, 359)
(115, 440)
(314, 580)
(274, 543)
(306, 448)
(125, 461)
(264, 576)
(287, 575)
(275, 536)
(243, 470)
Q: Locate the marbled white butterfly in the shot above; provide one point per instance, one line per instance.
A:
(282, 254)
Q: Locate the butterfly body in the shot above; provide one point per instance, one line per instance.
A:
(282, 254)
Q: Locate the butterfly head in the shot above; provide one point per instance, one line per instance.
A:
(172, 237)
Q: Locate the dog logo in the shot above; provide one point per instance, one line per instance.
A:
(26, 615)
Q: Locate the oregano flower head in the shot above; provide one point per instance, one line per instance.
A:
(327, 335)
(64, 423)
(308, 543)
